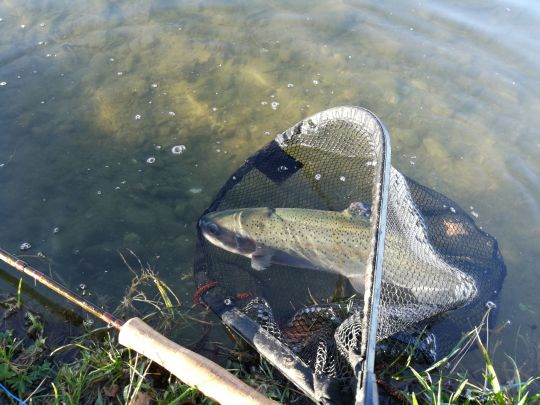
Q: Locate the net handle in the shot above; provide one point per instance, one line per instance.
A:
(367, 381)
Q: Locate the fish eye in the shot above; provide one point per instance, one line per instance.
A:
(213, 229)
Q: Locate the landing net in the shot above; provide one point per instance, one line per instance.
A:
(427, 271)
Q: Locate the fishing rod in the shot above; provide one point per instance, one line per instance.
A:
(191, 368)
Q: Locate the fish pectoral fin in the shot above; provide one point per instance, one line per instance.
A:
(260, 261)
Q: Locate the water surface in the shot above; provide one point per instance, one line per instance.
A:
(90, 90)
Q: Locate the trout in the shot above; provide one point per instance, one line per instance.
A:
(337, 242)
(313, 239)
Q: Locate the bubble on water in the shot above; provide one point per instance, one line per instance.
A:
(3, 83)
(474, 214)
(342, 178)
(23, 25)
(267, 132)
(178, 149)
(453, 210)
(349, 57)
(25, 246)
(56, 230)
(82, 286)
(172, 113)
(119, 73)
(214, 109)
(42, 101)
(98, 192)
(195, 190)
(157, 147)
(111, 59)
(41, 255)
(1, 19)
(154, 85)
(318, 176)
(138, 116)
(42, 25)
(290, 85)
(264, 102)
(151, 160)
(315, 82)
(117, 188)
(48, 55)
(282, 168)
(275, 105)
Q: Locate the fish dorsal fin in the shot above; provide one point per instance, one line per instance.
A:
(358, 210)
(260, 260)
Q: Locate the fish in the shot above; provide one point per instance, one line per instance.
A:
(332, 241)
(339, 242)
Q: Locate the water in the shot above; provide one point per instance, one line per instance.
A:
(95, 94)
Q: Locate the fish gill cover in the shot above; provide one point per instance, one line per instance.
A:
(286, 256)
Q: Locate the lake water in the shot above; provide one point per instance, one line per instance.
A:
(93, 91)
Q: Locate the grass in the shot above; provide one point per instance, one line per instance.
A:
(441, 384)
(99, 370)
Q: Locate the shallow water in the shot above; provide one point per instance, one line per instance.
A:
(90, 90)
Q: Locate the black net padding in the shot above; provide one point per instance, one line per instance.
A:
(439, 267)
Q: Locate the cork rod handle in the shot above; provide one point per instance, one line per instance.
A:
(191, 368)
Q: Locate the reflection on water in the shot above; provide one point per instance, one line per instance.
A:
(95, 94)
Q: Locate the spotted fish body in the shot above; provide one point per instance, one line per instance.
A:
(330, 241)
(339, 242)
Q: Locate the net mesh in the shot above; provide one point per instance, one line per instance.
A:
(439, 267)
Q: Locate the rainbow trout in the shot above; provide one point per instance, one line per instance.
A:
(337, 242)
(324, 240)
